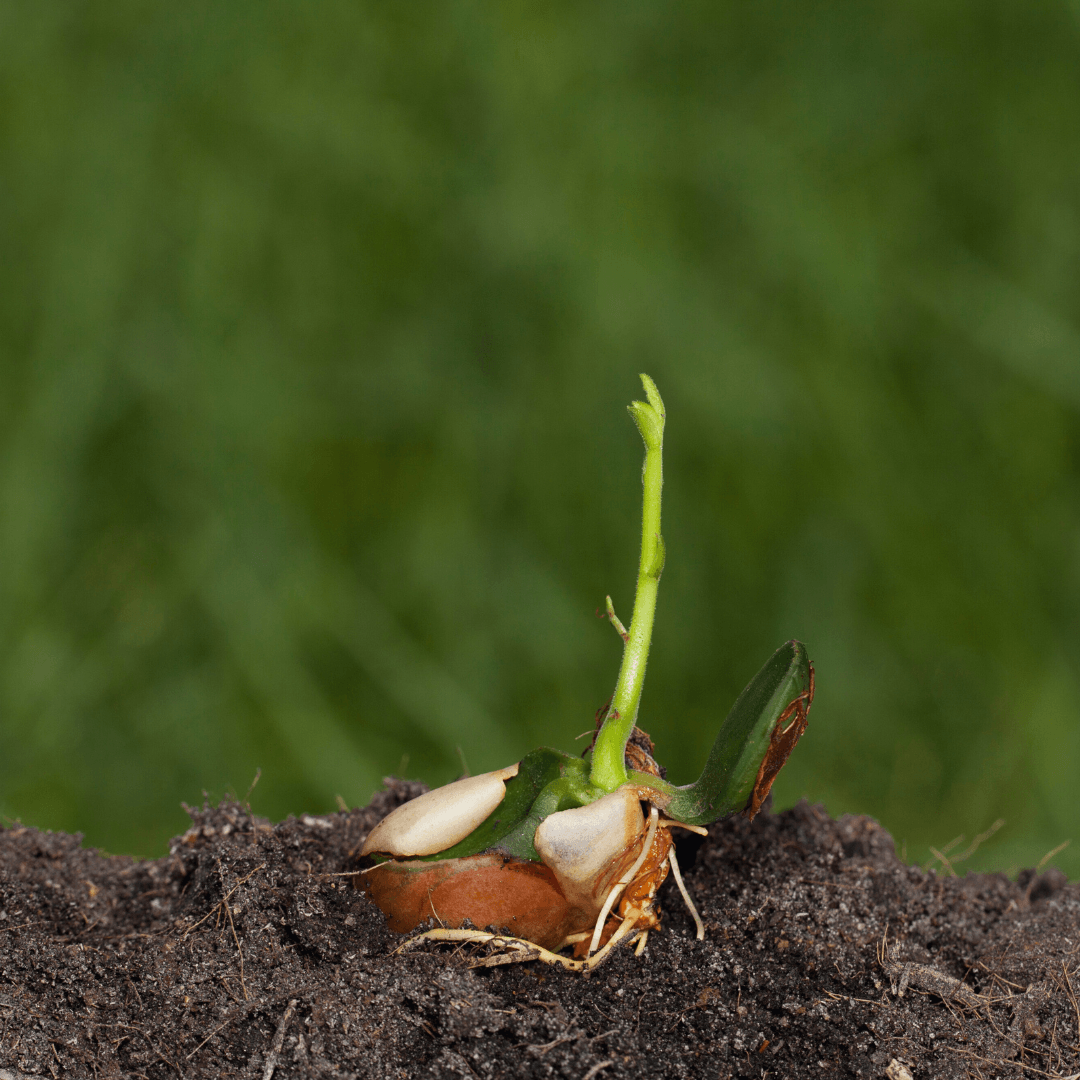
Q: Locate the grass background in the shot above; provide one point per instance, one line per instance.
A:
(317, 325)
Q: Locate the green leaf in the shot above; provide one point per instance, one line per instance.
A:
(751, 737)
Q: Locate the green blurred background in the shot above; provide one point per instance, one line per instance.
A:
(317, 327)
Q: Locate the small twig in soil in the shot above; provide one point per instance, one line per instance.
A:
(940, 856)
(998, 1064)
(247, 797)
(232, 926)
(150, 1043)
(998, 979)
(923, 977)
(596, 1068)
(221, 1027)
(542, 1048)
(845, 997)
(754, 915)
(980, 839)
(223, 900)
(603, 1014)
(279, 1040)
(1072, 998)
(224, 980)
(1050, 854)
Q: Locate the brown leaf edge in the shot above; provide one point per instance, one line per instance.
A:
(782, 742)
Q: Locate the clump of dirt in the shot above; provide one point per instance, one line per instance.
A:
(240, 954)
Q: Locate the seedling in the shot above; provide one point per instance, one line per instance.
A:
(567, 853)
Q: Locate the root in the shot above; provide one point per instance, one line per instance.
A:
(518, 950)
(573, 939)
(625, 927)
(671, 823)
(617, 888)
(674, 864)
(515, 950)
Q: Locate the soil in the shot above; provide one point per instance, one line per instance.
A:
(240, 954)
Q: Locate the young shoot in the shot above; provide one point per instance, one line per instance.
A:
(609, 751)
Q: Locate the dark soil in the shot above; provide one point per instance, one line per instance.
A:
(241, 941)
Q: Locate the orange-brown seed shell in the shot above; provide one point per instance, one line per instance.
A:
(515, 895)
(518, 896)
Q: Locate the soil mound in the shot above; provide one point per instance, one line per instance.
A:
(240, 954)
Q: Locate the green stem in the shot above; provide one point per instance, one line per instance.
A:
(608, 764)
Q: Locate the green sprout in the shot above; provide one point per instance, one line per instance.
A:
(548, 846)
(608, 753)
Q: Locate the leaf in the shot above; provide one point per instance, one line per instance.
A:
(755, 740)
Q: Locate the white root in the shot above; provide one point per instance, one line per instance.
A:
(573, 939)
(674, 864)
(671, 823)
(617, 888)
(625, 928)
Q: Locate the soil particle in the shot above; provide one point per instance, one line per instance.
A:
(240, 954)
